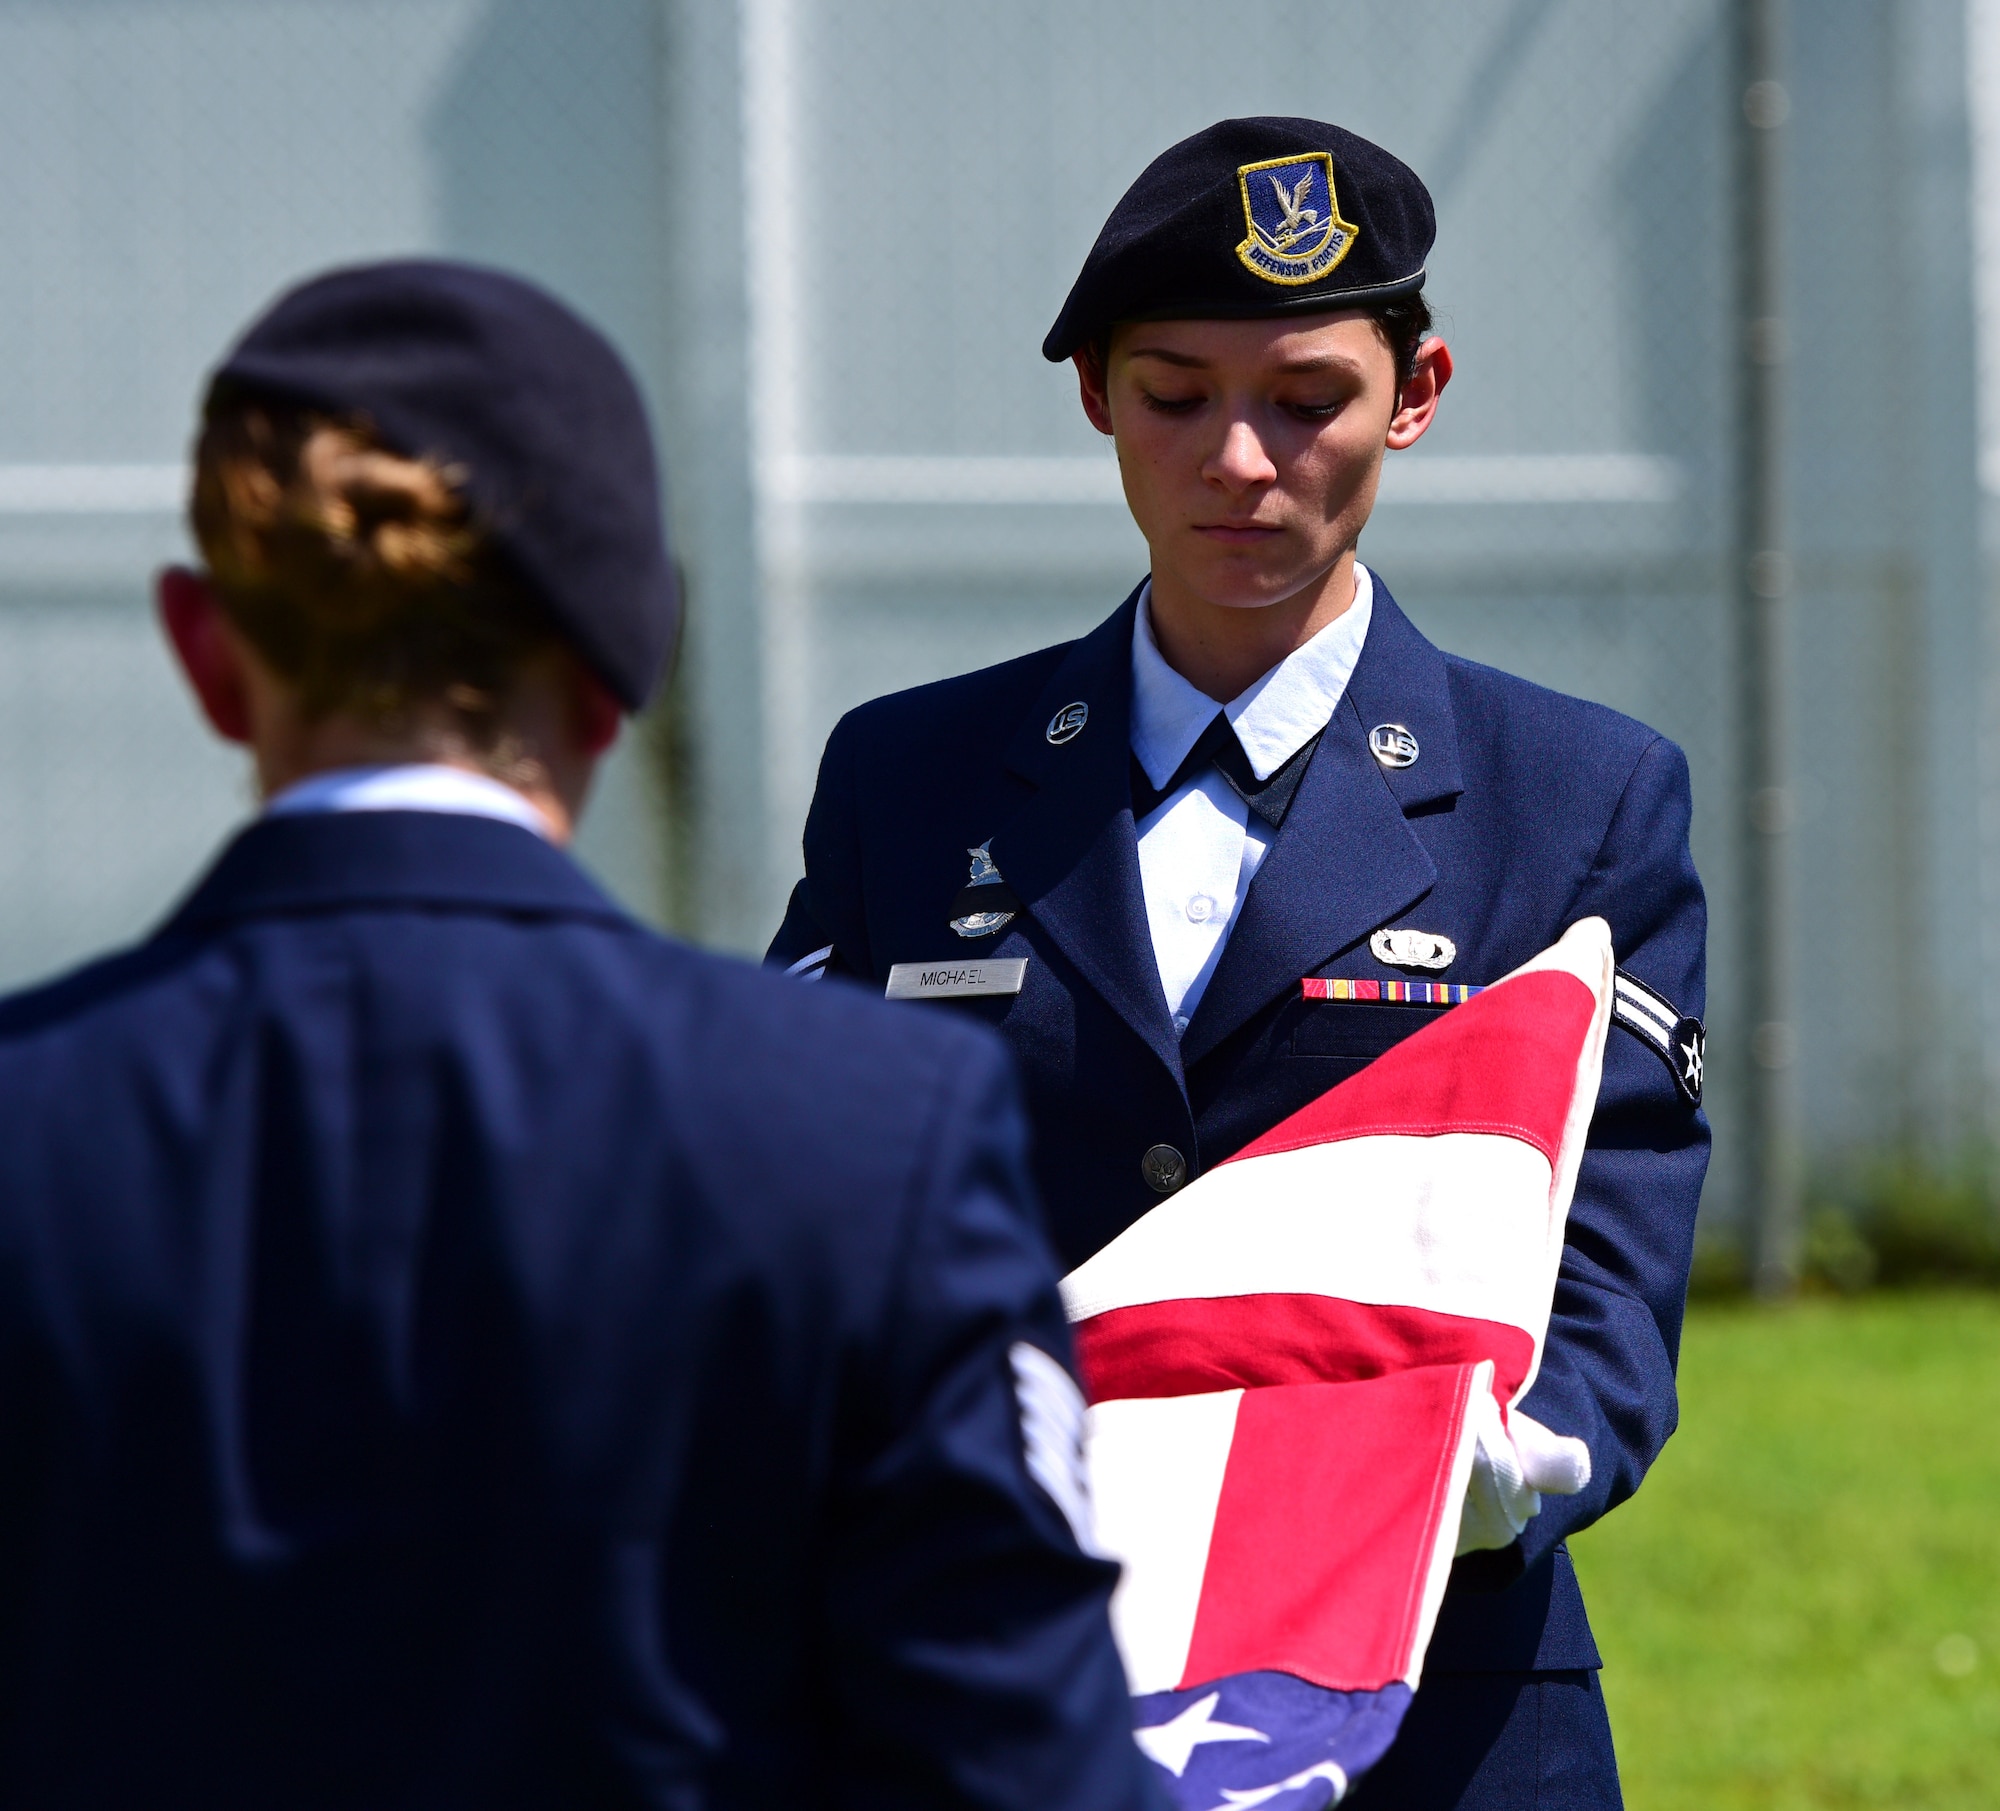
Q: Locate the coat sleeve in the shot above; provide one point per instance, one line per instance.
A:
(1614, 1337)
(972, 1654)
(825, 926)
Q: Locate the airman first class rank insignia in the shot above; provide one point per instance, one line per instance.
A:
(1675, 1038)
(1296, 234)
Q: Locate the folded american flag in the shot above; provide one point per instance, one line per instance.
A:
(1290, 1364)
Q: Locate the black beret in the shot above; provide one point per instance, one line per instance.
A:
(493, 375)
(1253, 217)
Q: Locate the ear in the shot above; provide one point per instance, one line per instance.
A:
(1093, 389)
(1417, 407)
(208, 654)
(598, 715)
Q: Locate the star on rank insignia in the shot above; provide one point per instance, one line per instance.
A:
(1296, 234)
(1690, 1043)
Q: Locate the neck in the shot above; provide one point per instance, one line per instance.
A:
(289, 751)
(381, 785)
(1223, 649)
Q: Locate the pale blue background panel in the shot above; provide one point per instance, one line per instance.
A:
(170, 166)
(831, 237)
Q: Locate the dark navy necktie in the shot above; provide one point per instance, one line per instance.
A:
(1218, 748)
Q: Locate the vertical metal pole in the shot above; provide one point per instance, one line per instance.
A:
(774, 267)
(1763, 590)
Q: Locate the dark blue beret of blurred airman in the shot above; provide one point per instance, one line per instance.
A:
(493, 375)
(1253, 217)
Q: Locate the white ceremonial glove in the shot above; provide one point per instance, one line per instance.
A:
(1509, 1476)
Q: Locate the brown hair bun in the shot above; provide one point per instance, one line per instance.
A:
(360, 574)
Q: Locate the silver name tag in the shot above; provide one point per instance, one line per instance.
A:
(955, 980)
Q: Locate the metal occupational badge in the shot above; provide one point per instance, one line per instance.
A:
(984, 903)
(1405, 948)
(1296, 233)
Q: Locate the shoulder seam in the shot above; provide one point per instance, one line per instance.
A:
(1654, 740)
(1037, 663)
(1589, 705)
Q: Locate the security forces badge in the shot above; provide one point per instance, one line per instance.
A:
(1296, 234)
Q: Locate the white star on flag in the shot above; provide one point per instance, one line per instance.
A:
(1173, 1743)
(1326, 1770)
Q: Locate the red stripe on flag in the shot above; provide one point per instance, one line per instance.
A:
(1308, 1572)
(1504, 1062)
(1195, 1344)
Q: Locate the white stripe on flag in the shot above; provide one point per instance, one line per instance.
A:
(1156, 1467)
(1438, 1574)
(1460, 1223)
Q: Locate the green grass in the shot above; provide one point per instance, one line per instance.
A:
(1772, 1605)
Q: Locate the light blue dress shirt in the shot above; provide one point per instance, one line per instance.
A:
(1199, 848)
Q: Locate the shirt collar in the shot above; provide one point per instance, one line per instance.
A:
(417, 787)
(1273, 718)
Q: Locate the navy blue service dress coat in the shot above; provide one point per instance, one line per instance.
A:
(1524, 811)
(458, 1348)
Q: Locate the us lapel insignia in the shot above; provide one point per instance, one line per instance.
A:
(1067, 724)
(1393, 745)
(1406, 948)
(985, 902)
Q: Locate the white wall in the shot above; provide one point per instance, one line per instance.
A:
(831, 237)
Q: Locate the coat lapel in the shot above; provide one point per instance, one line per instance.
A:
(1069, 854)
(1345, 862)
(1400, 678)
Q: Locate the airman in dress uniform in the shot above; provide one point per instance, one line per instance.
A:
(457, 1347)
(1254, 829)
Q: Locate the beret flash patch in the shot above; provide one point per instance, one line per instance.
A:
(1296, 233)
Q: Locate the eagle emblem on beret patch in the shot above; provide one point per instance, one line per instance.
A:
(1296, 233)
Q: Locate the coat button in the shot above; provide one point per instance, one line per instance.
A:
(1164, 1168)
